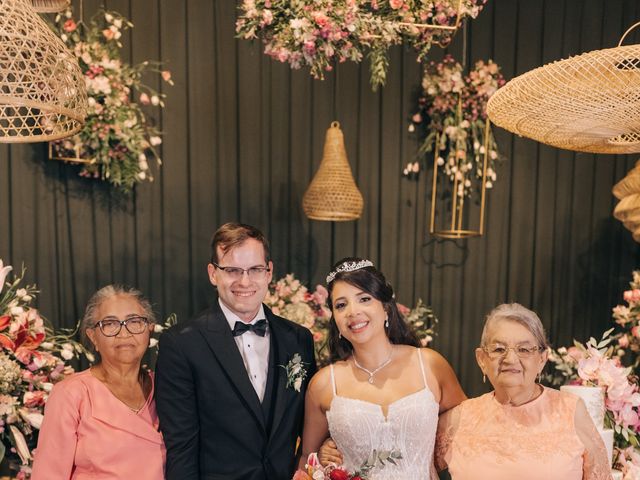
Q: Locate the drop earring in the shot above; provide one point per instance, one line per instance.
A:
(386, 321)
(484, 378)
(340, 335)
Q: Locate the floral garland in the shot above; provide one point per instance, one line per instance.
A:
(602, 363)
(452, 111)
(318, 33)
(32, 359)
(289, 298)
(117, 141)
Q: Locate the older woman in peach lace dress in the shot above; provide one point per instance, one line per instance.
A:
(521, 430)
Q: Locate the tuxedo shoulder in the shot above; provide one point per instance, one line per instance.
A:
(292, 327)
(189, 327)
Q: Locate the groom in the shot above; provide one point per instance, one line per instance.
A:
(226, 393)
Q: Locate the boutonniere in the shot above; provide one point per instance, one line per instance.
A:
(295, 371)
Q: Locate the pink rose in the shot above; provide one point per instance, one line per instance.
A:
(635, 331)
(575, 353)
(34, 399)
(403, 309)
(396, 4)
(623, 341)
(144, 99)
(69, 25)
(166, 75)
(632, 296)
(108, 33)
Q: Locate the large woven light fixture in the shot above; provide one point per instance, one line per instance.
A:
(627, 211)
(588, 103)
(333, 194)
(50, 6)
(42, 92)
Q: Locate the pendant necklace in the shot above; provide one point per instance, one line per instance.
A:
(371, 373)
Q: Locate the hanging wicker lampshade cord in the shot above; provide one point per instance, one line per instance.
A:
(588, 103)
(333, 194)
(42, 92)
(50, 6)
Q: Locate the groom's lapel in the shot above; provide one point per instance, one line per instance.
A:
(282, 338)
(218, 335)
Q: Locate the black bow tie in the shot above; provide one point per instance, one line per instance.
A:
(259, 328)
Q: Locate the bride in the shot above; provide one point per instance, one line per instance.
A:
(380, 398)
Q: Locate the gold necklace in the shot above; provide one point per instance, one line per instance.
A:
(371, 373)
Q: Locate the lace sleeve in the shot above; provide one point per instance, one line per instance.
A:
(595, 461)
(447, 427)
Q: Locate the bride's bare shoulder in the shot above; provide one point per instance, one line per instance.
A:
(321, 381)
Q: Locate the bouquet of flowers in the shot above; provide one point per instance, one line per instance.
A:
(117, 140)
(317, 33)
(290, 299)
(452, 112)
(596, 364)
(628, 318)
(377, 460)
(32, 359)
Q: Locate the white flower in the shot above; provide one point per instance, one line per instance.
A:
(21, 444)
(153, 342)
(32, 418)
(297, 384)
(4, 271)
(16, 311)
(66, 354)
(118, 23)
(46, 386)
(142, 175)
(63, 37)
(412, 128)
(158, 328)
(108, 17)
(90, 357)
(155, 140)
(155, 100)
(47, 345)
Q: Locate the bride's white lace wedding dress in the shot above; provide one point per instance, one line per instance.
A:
(359, 427)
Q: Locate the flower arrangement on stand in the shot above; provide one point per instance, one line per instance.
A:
(32, 358)
(290, 299)
(118, 141)
(452, 121)
(319, 33)
(603, 363)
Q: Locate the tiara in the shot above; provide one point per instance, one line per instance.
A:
(349, 267)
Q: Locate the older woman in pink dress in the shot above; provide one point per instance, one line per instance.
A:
(101, 424)
(521, 430)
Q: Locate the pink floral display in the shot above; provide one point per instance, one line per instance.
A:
(452, 111)
(117, 138)
(290, 299)
(604, 363)
(32, 359)
(319, 33)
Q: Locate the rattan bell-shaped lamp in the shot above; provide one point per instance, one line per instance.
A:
(50, 6)
(333, 194)
(586, 103)
(42, 91)
(627, 210)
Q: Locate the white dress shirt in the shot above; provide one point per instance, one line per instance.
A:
(253, 348)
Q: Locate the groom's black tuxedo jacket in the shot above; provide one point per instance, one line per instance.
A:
(214, 425)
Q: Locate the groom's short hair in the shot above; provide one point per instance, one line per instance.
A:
(231, 235)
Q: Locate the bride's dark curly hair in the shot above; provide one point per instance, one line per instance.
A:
(372, 281)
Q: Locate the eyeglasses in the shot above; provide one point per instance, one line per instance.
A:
(235, 273)
(110, 327)
(496, 351)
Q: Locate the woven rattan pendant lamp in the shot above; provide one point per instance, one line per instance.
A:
(588, 103)
(627, 210)
(333, 194)
(50, 6)
(42, 92)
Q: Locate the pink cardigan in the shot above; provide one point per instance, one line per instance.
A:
(87, 433)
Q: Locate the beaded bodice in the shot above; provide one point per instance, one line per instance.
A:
(359, 427)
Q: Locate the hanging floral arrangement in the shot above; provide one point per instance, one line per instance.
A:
(452, 112)
(320, 33)
(118, 141)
